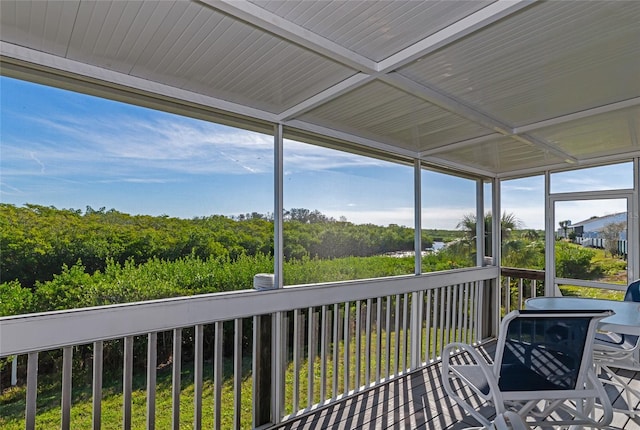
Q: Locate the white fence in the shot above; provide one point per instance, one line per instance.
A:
(309, 345)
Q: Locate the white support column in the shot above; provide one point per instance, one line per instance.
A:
(417, 199)
(480, 223)
(549, 251)
(633, 230)
(278, 209)
(496, 248)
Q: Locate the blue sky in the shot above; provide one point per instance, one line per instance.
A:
(71, 150)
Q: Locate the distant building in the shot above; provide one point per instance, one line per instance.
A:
(592, 228)
(589, 232)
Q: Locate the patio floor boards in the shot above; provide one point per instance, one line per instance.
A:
(418, 401)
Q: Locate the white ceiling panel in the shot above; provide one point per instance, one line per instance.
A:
(375, 29)
(44, 25)
(606, 134)
(549, 60)
(501, 155)
(404, 120)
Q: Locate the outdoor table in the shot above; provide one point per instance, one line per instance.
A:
(626, 319)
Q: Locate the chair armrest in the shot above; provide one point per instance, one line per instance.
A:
(480, 367)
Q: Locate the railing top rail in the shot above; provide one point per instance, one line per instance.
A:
(38, 332)
(534, 274)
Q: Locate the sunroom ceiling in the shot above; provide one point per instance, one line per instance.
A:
(498, 88)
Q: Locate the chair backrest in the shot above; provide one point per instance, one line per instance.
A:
(545, 350)
(633, 292)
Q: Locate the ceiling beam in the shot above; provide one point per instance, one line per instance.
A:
(274, 24)
(327, 95)
(450, 104)
(456, 31)
(85, 75)
(630, 103)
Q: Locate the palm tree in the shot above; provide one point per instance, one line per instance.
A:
(508, 223)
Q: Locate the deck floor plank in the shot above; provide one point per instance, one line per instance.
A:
(418, 401)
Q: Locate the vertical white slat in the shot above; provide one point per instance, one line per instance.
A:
(311, 354)
(358, 335)
(405, 327)
(336, 345)
(67, 362)
(396, 352)
(367, 345)
(32, 391)
(534, 288)
(96, 410)
(176, 378)
(434, 322)
(520, 292)
(323, 354)
(279, 362)
(453, 304)
(460, 319)
(296, 360)
(417, 300)
(465, 313)
(152, 364)
(217, 375)
(237, 373)
(198, 376)
(427, 324)
(378, 337)
(448, 307)
(346, 342)
(477, 310)
(443, 314)
(14, 371)
(255, 369)
(127, 382)
(387, 326)
(507, 298)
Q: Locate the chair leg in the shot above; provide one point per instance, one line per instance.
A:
(627, 392)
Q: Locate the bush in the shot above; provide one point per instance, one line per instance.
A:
(573, 261)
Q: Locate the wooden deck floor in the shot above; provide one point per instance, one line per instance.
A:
(418, 401)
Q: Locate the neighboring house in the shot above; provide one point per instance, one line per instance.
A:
(592, 227)
(590, 231)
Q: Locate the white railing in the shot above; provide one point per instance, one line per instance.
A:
(308, 346)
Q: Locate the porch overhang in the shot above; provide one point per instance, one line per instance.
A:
(499, 88)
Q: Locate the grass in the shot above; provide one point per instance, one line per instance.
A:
(12, 400)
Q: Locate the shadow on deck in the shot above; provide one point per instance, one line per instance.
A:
(418, 401)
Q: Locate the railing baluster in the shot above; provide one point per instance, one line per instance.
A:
(98, 348)
(197, 377)
(427, 323)
(458, 293)
(127, 382)
(358, 335)
(396, 349)
(346, 344)
(405, 338)
(520, 292)
(296, 360)
(67, 361)
(336, 356)
(378, 337)
(323, 355)
(217, 376)
(176, 378)
(32, 391)
(152, 363)
(367, 345)
(387, 326)
(312, 339)
(465, 313)
(237, 373)
(434, 323)
(443, 316)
